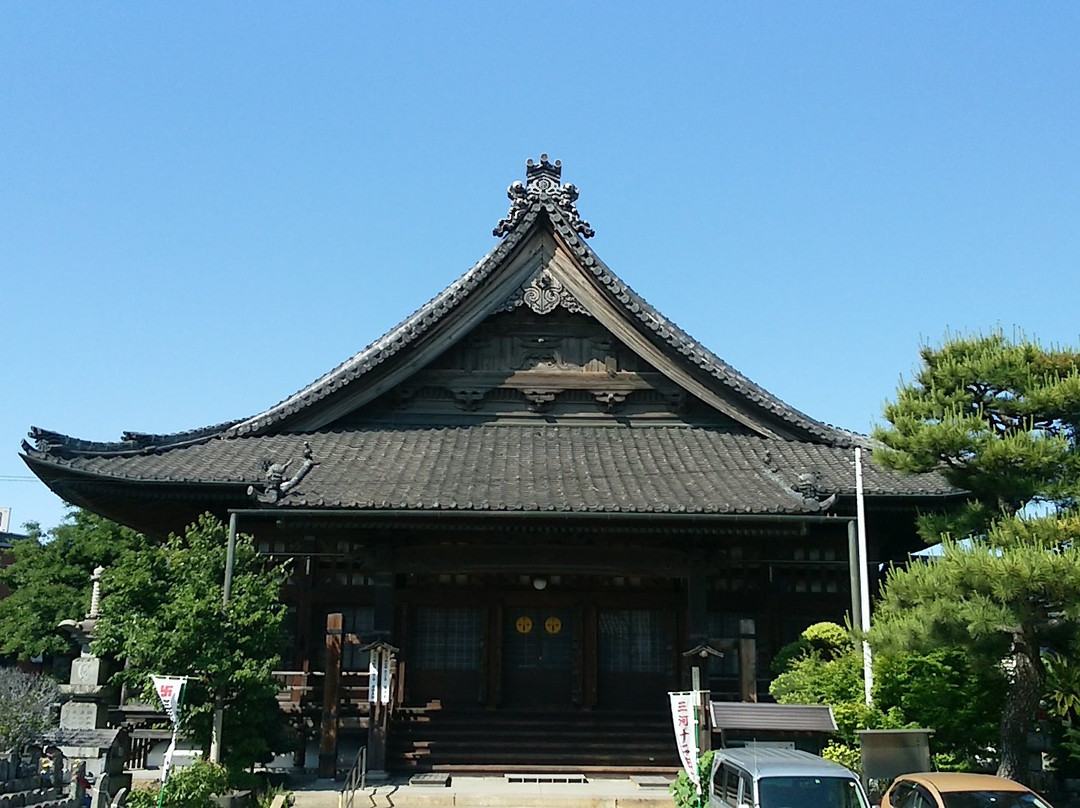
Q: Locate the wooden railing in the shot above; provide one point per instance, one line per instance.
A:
(302, 693)
(142, 741)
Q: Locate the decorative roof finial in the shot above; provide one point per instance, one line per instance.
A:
(543, 176)
(542, 186)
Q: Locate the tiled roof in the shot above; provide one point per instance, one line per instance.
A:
(520, 468)
(634, 305)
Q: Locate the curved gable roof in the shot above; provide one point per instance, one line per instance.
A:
(535, 206)
(543, 224)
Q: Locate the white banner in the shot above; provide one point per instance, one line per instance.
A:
(373, 676)
(166, 762)
(169, 689)
(685, 718)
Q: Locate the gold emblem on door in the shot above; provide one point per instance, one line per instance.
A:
(553, 625)
(523, 624)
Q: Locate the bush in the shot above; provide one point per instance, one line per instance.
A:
(191, 787)
(827, 641)
(684, 792)
(844, 754)
(26, 704)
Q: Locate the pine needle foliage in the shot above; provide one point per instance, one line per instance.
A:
(1001, 420)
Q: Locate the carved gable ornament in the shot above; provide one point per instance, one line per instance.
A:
(543, 293)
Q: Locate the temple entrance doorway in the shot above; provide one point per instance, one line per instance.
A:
(539, 657)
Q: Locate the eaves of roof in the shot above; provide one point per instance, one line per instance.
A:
(572, 469)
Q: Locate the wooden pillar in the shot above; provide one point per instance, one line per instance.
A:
(747, 660)
(328, 739)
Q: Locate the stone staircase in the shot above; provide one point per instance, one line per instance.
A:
(432, 739)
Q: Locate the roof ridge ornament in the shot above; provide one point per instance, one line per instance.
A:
(542, 186)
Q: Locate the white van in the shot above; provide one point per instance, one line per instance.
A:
(770, 777)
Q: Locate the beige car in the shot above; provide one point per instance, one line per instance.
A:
(958, 790)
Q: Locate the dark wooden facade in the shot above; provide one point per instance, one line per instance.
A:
(537, 488)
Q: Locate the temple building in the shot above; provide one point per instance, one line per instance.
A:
(547, 497)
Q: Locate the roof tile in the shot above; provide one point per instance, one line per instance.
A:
(664, 469)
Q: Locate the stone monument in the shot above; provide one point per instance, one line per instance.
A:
(84, 733)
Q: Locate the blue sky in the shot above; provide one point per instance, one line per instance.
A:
(204, 206)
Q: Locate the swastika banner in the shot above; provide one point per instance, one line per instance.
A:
(169, 689)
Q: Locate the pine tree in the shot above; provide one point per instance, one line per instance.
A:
(999, 419)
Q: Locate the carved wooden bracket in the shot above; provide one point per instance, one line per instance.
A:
(469, 399)
(676, 400)
(540, 400)
(608, 400)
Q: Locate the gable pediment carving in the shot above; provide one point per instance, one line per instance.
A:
(551, 363)
(543, 294)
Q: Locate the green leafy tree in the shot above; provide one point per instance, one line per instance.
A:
(829, 670)
(1063, 706)
(162, 612)
(942, 690)
(26, 707)
(999, 419)
(50, 581)
(939, 690)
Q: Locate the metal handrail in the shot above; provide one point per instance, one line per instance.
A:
(355, 780)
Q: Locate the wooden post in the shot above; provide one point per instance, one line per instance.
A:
(702, 696)
(380, 706)
(747, 660)
(377, 715)
(328, 740)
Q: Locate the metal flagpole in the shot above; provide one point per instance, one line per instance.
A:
(163, 687)
(864, 582)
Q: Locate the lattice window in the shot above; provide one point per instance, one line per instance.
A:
(290, 627)
(360, 621)
(448, 638)
(725, 626)
(634, 641)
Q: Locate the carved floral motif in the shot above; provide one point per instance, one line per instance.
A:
(543, 293)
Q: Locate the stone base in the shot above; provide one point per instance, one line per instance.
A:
(83, 715)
